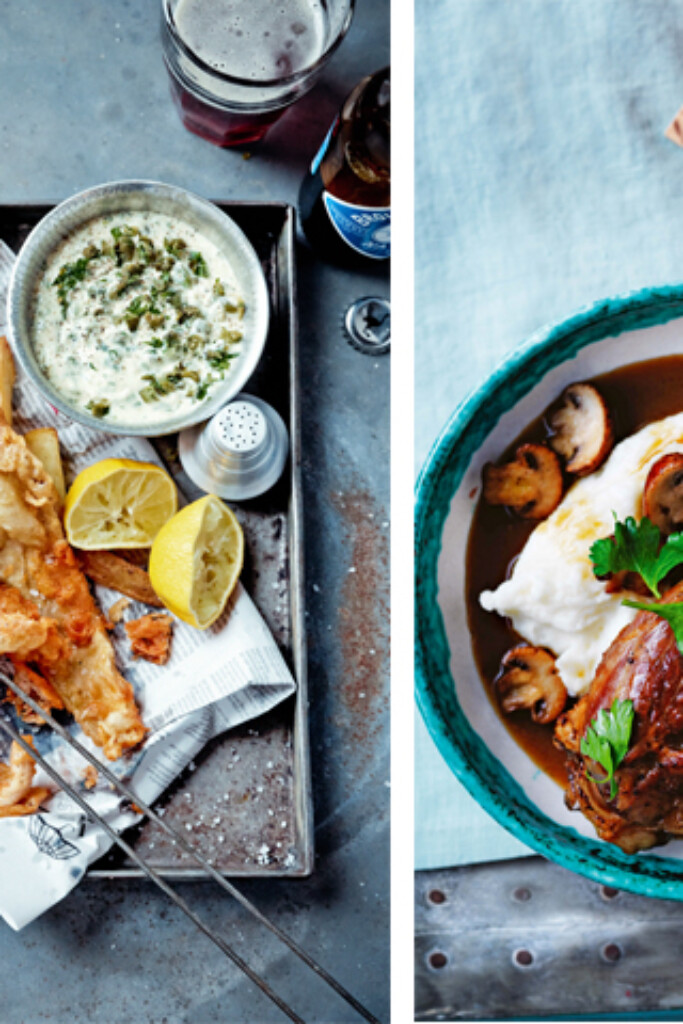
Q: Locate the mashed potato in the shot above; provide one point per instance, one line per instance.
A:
(552, 597)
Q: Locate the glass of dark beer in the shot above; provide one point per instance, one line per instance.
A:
(236, 65)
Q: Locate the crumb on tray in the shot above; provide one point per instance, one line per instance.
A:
(117, 610)
(150, 637)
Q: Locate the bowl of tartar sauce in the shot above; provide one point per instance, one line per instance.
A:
(138, 308)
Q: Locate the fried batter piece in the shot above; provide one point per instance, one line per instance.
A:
(36, 687)
(48, 617)
(150, 637)
(17, 795)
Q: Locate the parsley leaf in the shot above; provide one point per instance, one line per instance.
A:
(67, 278)
(607, 738)
(673, 613)
(197, 264)
(220, 360)
(635, 548)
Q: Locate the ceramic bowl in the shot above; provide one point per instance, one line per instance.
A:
(466, 729)
(125, 196)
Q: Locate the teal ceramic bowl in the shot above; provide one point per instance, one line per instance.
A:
(467, 731)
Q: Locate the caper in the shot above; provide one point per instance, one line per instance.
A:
(230, 307)
(124, 248)
(175, 245)
(148, 394)
(145, 250)
(188, 313)
(120, 285)
(99, 407)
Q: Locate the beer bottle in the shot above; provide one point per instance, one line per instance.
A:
(344, 198)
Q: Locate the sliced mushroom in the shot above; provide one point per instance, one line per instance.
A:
(581, 428)
(529, 679)
(531, 484)
(663, 493)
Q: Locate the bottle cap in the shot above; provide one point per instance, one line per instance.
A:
(367, 323)
(240, 453)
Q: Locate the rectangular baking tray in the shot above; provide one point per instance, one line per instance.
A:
(246, 801)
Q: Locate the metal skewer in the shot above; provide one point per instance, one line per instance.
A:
(187, 847)
(151, 874)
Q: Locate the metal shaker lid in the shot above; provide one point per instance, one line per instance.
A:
(240, 453)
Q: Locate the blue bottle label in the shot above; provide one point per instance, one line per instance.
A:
(367, 229)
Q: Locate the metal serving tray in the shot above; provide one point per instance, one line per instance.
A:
(247, 799)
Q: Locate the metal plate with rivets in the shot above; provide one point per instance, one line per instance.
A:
(527, 939)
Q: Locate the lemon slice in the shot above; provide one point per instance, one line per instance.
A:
(118, 503)
(196, 560)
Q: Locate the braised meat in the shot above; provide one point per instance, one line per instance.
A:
(643, 664)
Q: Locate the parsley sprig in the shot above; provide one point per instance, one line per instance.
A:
(637, 547)
(673, 613)
(607, 739)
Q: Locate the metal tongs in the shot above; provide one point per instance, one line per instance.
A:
(9, 729)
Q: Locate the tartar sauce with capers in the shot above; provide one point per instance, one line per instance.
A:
(137, 318)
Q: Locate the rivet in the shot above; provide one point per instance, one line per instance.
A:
(438, 960)
(523, 958)
(611, 952)
(436, 896)
(522, 895)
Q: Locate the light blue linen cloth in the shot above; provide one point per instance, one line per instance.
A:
(544, 182)
(450, 827)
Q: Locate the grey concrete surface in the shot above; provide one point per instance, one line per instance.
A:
(84, 99)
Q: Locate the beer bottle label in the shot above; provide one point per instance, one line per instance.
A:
(367, 229)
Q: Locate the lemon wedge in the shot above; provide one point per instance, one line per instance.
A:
(196, 560)
(118, 503)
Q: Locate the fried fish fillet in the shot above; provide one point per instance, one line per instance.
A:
(18, 795)
(48, 618)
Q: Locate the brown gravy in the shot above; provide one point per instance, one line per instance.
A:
(636, 395)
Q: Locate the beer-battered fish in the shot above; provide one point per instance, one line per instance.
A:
(48, 618)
